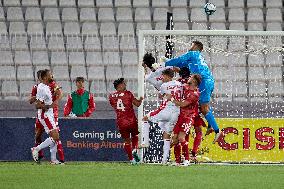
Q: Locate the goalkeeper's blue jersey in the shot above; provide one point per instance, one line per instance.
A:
(195, 62)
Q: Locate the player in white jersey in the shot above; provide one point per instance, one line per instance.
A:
(167, 113)
(44, 105)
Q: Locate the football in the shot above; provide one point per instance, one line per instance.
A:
(209, 8)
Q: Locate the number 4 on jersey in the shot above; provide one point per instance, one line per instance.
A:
(120, 105)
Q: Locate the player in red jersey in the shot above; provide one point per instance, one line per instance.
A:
(39, 129)
(188, 106)
(122, 101)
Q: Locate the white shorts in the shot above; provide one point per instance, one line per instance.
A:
(166, 118)
(47, 120)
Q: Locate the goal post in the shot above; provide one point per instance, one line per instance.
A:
(248, 96)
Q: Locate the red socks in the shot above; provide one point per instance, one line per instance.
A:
(134, 141)
(184, 146)
(177, 150)
(197, 139)
(128, 149)
(60, 151)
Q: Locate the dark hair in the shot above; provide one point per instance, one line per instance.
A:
(43, 73)
(117, 82)
(184, 72)
(197, 78)
(169, 72)
(78, 79)
(38, 74)
(199, 45)
(149, 60)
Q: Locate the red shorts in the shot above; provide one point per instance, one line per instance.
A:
(126, 131)
(198, 121)
(38, 125)
(183, 125)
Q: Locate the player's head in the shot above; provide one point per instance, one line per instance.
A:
(184, 73)
(38, 74)
(51, 76)
(80, 82)
(168, 75)
(148, 60)
(196, 46)
(119, 84)
(194, 80)
(45, 76)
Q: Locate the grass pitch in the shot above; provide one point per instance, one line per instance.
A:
(77, 175)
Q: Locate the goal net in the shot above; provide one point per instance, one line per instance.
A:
(247, 100)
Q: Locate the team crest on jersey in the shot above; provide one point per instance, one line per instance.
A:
(121, 94)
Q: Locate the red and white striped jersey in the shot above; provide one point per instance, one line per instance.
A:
(155, 78)
(174, 88)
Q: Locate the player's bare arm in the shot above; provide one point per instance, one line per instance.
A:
(32, 99)
(177, 102)
(137, 102)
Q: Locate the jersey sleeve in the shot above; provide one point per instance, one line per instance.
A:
(34, 90)
(192, 97)
(162, 89)
(181, 61)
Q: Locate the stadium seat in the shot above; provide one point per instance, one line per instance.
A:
(160, 3)
(87, 14)
(113, 72)
(239, 88)
(2, 14)
(98, 88)
(67, 3)
(49, 3)
(218, 42)
(105, 15)
(122, 3)
(3, 29)
(219, 59)
(236, 3)
(218, 3)
(236, 15)
(127, 43)
(143, 26)
(111, 58)
(197, 4)
(25, 73)
(160, 14)
(53, 28)
(197, 15)
(124, 15)
(94, 59)
(255, 15)
(240, 73)
(61, 72)
(107, 28)
(274, 15)
(35, 28)
(141, 3)
(86, 3)
(274, 3)
(142, 15)
(126, 28)
(274, 59)
(55, 43)
(92, 43)
(78, 71)
(51, 14)
(110, 43)
(160, 25)
(15, 14)
(90, 28)
(274, 26)
(218, 16)
(19, 42)
(237, 26)
(236, 43)
(37, 43)
(255, 26)
(130, 72)
(181, 26)
(11, 3)
(6, 58)
(223, 89)
(180, 15)
(275, 88)
(40, 58)
(255, 3)
(257, 88)
(218, 26)
(132, 86)
(17, 28)
(10, 90)
(74, 43)
(274, 73)
(76, 59)
(69, 14)
(7, 73)
(33, 14)
(66, 87)
(25, 88)
(179, 3)
(23, 58)
(104, 3)
(222, 73)
(37, 68)
(129, 58)
(256, 60)
(256, 73)
(96, 73)
(59, 58)
(30, 3)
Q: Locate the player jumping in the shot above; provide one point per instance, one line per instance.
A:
(167, 113)
(197, 65)
(122, 101)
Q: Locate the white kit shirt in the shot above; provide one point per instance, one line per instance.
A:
(155, 78)
(44, 95)
(173, 88)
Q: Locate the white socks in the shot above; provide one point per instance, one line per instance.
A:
(166, 149)
(145, 134)
(53, 151)
(48, 142)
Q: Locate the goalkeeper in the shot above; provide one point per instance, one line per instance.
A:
(197, 65)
